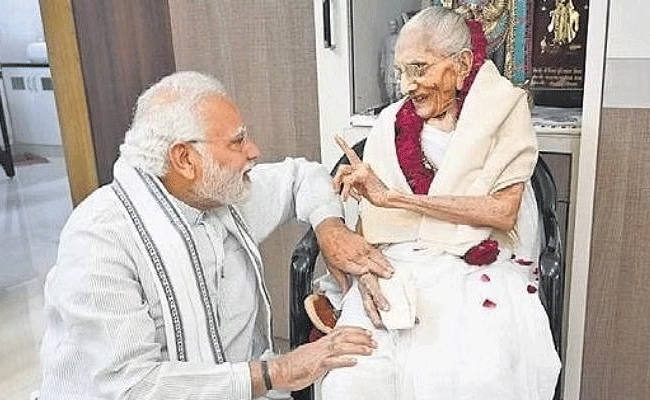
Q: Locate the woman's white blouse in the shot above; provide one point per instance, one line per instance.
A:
(434, 144)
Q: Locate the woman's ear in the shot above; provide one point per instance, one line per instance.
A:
(183, 161)
(465, 62)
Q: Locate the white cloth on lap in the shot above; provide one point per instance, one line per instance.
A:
(477, 338)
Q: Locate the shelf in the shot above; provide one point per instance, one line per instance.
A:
(557, 120)
(546, 120)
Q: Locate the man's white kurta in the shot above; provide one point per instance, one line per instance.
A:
(105, 335)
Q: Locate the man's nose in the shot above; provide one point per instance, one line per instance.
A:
(252, 150)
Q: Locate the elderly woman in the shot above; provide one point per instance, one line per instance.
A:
(444, 193)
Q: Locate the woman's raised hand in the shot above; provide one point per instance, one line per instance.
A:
(358, 179)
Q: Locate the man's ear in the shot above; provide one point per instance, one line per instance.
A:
(183, 161)
(464, 64)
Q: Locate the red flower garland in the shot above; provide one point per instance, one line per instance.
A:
(408, 125)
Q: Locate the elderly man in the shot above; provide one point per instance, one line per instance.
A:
(158, 291)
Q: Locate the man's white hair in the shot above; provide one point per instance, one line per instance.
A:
(446, 30)
(166, 113)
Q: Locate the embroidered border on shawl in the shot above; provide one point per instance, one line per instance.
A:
(183, 229)
(244, 232)
(177, 322)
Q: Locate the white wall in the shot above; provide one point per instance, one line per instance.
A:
(629, 35)
(20, 24)
(627, 72)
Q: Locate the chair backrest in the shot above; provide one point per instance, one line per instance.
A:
(551, 258)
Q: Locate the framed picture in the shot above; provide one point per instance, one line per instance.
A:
(558, 52)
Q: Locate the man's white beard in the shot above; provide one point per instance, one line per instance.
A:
(224, 186)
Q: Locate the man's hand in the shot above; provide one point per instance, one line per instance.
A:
(301, 367)
(346, 252)
(358, 179)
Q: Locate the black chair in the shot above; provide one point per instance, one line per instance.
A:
(551, 264)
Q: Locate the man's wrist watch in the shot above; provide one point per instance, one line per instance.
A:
(266, 377)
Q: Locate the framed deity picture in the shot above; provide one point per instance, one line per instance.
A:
(559, 36)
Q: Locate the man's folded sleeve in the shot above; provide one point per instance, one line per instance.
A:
(292, 189)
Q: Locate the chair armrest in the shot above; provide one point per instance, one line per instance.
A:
(303, 261)
(551, 289)
(551, 259)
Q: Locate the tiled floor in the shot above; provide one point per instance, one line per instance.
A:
(34, 206)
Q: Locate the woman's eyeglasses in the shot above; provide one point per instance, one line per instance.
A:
(417, 70)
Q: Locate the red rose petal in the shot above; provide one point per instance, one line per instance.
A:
(489, 303)
(485, 278)
(536, 271)
(483, 253)
(531, 289)
(522, 261)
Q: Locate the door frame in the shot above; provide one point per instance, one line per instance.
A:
(70, 95)
(591, 119)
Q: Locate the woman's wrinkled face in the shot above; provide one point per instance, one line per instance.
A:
(428, 77)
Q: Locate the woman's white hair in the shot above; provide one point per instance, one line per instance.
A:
(446, 30)
(166, 113)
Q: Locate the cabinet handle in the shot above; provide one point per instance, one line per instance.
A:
(327, 24)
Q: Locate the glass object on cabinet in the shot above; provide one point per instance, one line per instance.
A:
(375, 25)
